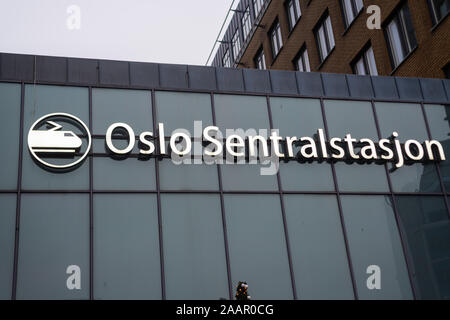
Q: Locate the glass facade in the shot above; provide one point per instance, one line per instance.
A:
(146, 228)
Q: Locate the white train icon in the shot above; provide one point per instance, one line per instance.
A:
(54, 141)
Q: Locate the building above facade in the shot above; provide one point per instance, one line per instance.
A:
(332, 36)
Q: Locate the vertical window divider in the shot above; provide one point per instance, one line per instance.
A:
(222, 207)
(341, 214)
(438, 169)
(18, 195)
(409, 266)
(91, 206)
(158, 199)
(283, 211)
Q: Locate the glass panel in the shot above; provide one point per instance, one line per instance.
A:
(249, 177)
(194, 251)
(438, 119)
(54, 234)
(427, 231)
(306, 176)
(300, 117)
(306, 61)
(128, 174)
(254, 221)
(348, 11)
(395, 42)
(126, 247)
(180, 110)
(407, 120)
(296, 117)
(133, 107)
(360, 68)
(7, 236)
(10, 95)
(39, 101)
(374, 240)
(322, 43)
(330, 33)
(361, 177)
(357, 119)
(245, 112)
(371, 62)
(187, 176)
(317, 246)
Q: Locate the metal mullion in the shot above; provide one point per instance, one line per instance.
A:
(402, 236)
(222, 207)
(283, 211)
(91, 208)
(341, 214)
(18, 196)
(438, 169)
(158, 196)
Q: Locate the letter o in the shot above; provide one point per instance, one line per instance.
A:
(131, 138)
(186, 138)
(410, 154)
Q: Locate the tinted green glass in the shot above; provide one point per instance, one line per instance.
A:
(179, 110)
(39, 101)
(257, 245)
(194, 249)
(427, 229)
(126, 247)
(54, 234)
(361, 177)
(300, 117)
(306, 176)
(296, 117)
(128, 174)
(407, 119)
(438, 119)
(244, 112)
(9, 131)
(317, 246)
(187, 176)
(354, 117)
(249, 177)
(357, 119)
(374, 240)
(7, 235)
(133, 107)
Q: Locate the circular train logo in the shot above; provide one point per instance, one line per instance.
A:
(59, 141)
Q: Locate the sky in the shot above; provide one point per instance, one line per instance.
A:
(164, 31)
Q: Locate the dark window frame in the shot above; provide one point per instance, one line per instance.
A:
(288, 13)
(260, 56)
(275, 29)
(322, 23)
(401, 21)
(433, 14)
(362, 54)
(300, 54)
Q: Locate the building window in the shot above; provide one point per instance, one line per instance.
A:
(246, 22)
(439, 9)
(260, 60)
(275, 39)
(236, 43)
(294, 12)
(257, 6)
(226, 60)
(400, 35)
(351, 9)
(301, 61)
(324, 37)
(365, 63)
